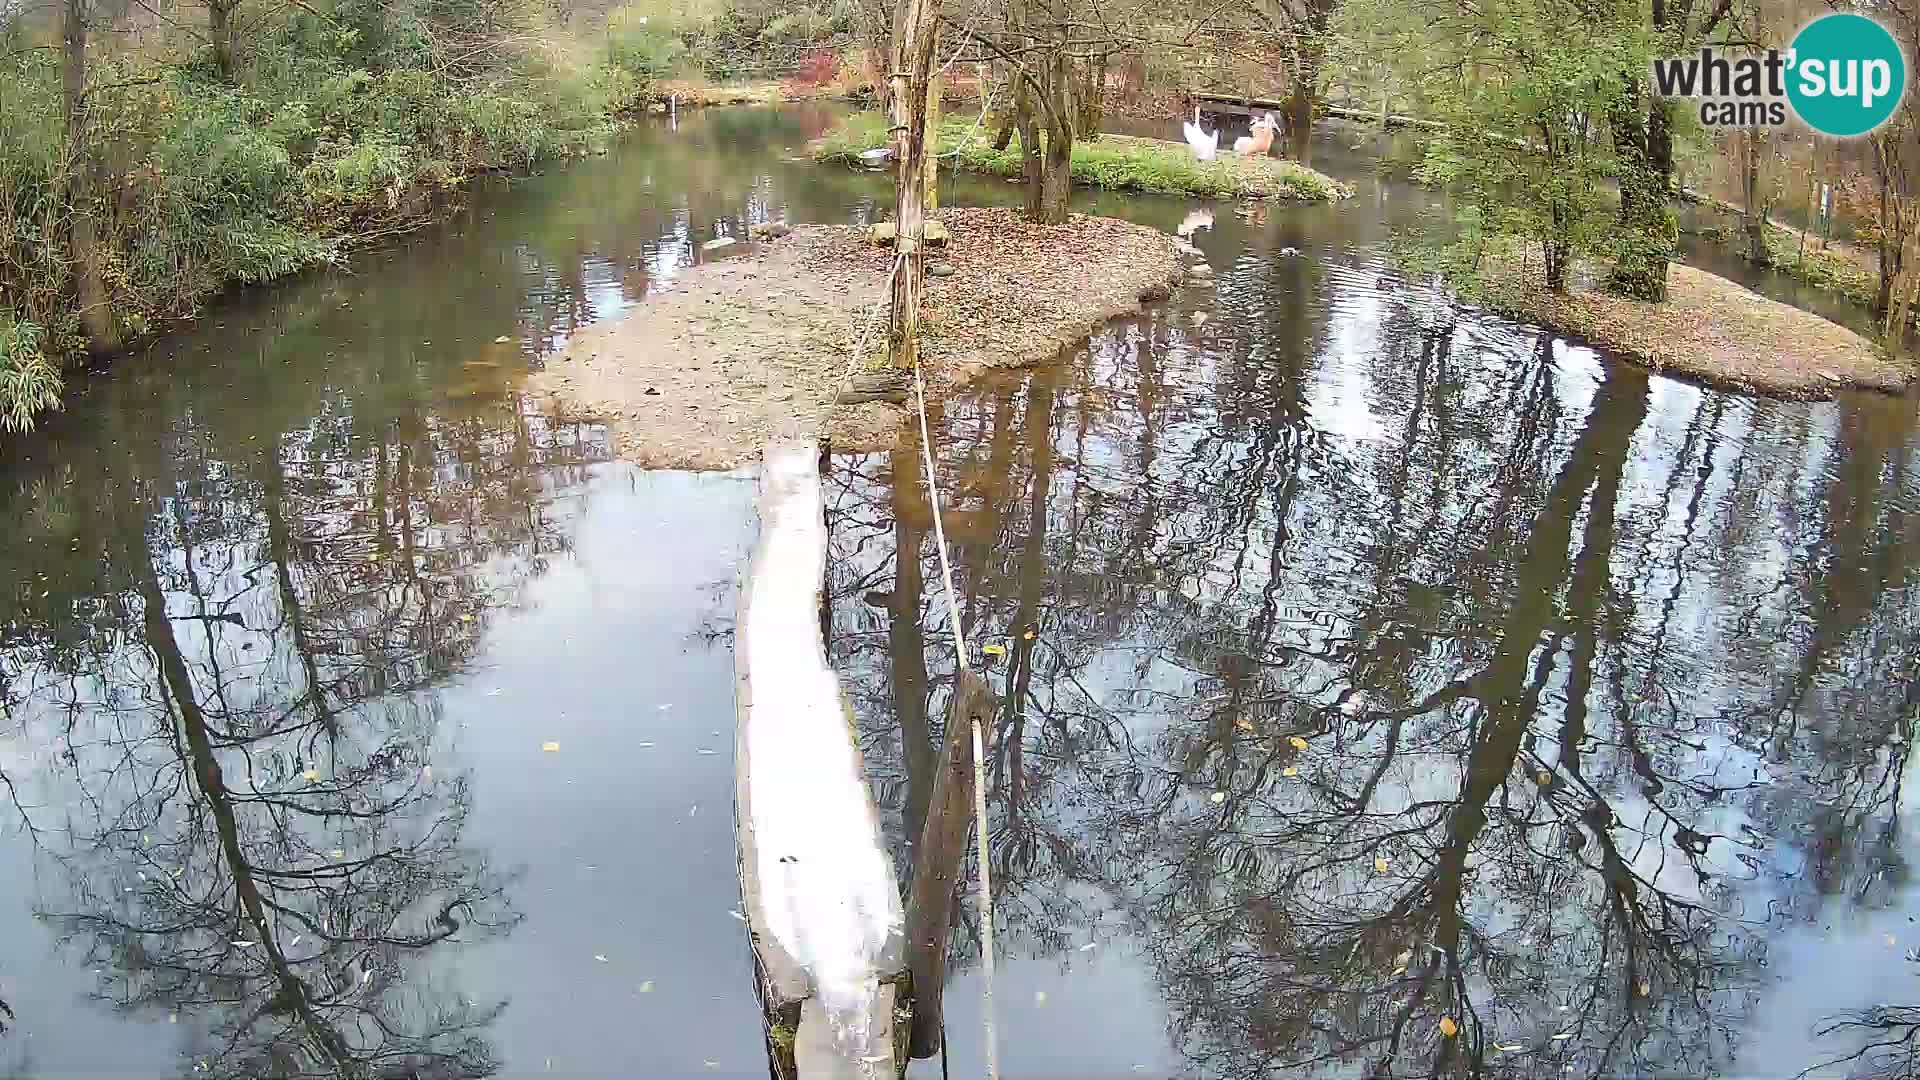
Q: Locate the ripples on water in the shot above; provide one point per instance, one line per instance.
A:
(1605, 681)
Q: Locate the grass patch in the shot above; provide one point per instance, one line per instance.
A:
(1121, 162)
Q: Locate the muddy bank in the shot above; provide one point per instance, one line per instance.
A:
(1713, 330)
(755, 345)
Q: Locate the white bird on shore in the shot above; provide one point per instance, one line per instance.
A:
(1205, 143)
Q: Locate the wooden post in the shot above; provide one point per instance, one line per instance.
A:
(931, 195)
(938, 858)
(913, 42)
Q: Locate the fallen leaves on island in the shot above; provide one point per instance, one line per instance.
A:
(1020, 292)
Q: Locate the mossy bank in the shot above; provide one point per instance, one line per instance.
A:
(1121, 162)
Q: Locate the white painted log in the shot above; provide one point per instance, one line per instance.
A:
(820, 894)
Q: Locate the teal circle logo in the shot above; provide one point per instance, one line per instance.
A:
(1846, 74)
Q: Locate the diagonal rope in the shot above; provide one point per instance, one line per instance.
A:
(860, 343)
(985, 892)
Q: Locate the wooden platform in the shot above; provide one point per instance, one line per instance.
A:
(1241, 105)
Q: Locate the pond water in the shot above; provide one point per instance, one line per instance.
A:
(1371, 667)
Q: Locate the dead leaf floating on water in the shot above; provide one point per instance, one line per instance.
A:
(312, 775)
(1544, 778)
(1646, 989)
(1290, 771)
(1039, 999)
(1380, 863)
(550, 748)
(994, 650)
(647, 987)
(502, 340)
(1297, 742)
(1563, 1036)
(1448, 1027)
(1508, 1048)
(1219, 796)
(600, 957)
(338, 853)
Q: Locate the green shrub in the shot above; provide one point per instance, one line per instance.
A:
(29, 382)
(639, 53)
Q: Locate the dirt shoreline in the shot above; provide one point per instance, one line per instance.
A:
(755, 345)
(1710, 329)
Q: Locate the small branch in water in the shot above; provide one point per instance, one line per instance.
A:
(1894, 1054)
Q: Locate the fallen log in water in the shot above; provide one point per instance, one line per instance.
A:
(938, 859)
(821, 900)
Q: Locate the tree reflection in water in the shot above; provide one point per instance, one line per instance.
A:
(1450, 682)
(242, 805)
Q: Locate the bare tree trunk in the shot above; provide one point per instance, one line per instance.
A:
(1003, 137)
(1032, 166)
(220, 31)
(1754, 217)
(83, 238)
(913, 41)
(1090, 99)
(1056, 174)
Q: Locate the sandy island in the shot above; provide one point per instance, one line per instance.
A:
(754, 346)
(1709, 329)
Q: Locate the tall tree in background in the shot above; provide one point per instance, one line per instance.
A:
(85, 243)
(1896, 160)
(1524, 91)
(1642, 124)
(1307, 23)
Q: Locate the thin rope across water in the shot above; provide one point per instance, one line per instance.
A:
(985, 892)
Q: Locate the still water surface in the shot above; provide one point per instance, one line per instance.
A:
(1602, 683)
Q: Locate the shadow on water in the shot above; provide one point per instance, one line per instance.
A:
(1602, 683)
(1374, 668)
(295, 602)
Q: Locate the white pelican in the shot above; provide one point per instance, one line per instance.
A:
(1205, 143)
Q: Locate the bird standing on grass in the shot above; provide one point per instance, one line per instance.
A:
(1205, 143)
